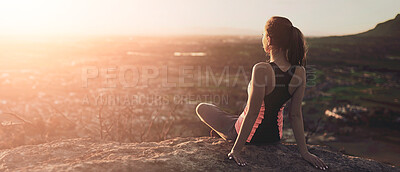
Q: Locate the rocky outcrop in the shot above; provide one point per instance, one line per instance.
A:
(179, 154)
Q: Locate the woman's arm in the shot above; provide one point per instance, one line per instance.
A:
(256, 95)
(296, 121)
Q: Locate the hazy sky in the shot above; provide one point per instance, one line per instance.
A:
(313, 17)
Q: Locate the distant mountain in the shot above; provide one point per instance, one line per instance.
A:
(390, 28)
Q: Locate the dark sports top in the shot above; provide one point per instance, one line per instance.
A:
(269, 123)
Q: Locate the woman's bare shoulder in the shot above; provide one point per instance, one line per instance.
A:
(262, 67)
(300, 71)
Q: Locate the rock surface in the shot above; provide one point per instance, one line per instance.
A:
(179, 154)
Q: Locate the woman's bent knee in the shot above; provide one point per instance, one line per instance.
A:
(200, 107)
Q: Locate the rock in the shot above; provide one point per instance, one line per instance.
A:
(179, 154)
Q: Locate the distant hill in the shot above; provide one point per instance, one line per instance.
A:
(375, 49)
(390, 28)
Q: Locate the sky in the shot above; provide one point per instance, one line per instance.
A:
(164, 17)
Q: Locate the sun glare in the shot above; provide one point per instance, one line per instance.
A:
(27, 17)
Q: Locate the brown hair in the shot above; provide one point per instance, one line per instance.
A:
(284, 35)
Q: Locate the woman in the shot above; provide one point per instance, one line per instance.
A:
(272, 84)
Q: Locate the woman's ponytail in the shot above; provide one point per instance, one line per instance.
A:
(297, 48)
(284, 36)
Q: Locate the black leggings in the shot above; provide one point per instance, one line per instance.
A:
(220, 121)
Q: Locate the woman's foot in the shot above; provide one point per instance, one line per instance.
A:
(214, 134)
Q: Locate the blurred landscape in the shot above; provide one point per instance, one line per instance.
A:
(67, 87)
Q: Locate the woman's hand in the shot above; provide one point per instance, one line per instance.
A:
(314, 160)
(239, 160)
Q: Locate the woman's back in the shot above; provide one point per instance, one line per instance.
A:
(269, 123)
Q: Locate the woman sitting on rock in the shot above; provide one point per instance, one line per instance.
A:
(273, 83)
